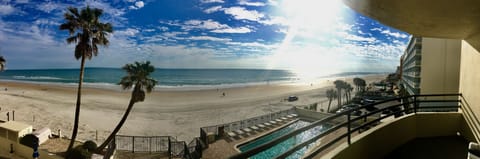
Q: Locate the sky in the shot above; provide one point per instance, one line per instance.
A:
(307, 36)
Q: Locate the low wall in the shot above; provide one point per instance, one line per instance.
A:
(381, 140)
(311, 115)
(23, 151)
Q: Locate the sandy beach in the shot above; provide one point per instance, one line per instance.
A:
(177, 113)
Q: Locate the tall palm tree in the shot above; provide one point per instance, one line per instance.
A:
(2, 63)
(348, 89)
(331, 94)
(138, 77)
(356, 82)
(339, 85)
(87, 32)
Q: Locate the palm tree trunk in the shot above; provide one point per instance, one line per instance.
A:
(339, 97)
(119, 125)
(77, 106)
(329, 103)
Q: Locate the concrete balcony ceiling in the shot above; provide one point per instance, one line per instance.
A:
(456, 19)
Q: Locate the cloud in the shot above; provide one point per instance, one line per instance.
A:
(49, 7)
(376, 29)
(22, 1)
(248, 3)
(213, 9)
(208, 38)
(127, 32)
(138, 5)
(275, 21)
(353, 37)
(394, 34)
(233, 30)
(203, 24)
(254, 44)
(106, 7)
(46, 22)
(211, 25)
(6, 9)
(212, 1)
(240, 13)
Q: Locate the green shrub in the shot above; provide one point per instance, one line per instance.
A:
(90, 145)
(29, 140)
(79, 153)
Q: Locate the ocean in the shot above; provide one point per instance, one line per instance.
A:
(168, 78)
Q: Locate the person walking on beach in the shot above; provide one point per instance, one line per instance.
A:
(223, 94)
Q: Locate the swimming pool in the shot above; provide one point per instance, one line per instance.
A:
(285, 145)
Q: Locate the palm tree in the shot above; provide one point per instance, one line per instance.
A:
(339, 85)
(138, 77)
(331, 94)
(348, 89)
(2, 63)
(87, 32)
(356, 82)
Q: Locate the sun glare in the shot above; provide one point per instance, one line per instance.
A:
(308, 18)
(313, 13)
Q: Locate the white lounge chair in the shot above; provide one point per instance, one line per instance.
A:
(239, 132)
(255, 128)
(231, 134)
(261, 125)
(267, 124)
(247, 130)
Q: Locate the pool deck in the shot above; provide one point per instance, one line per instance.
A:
(224, 148)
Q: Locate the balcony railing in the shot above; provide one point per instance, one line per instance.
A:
(409, 104)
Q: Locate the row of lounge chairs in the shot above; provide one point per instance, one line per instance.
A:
(260, 127)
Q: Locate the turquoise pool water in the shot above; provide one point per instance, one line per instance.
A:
(285, 145)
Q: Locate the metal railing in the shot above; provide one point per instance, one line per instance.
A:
(409, 104)
(158, 144)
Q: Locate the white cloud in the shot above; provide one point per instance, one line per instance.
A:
(203, 24)
(248, 3)
(394, 34)
(208, 38)
(275, 21)
(46, 22)
(22, 1)
(148, 30)
(138, 5)
(48, 7)
(106, 7)
(6, 9)
(174, 34)
(212, 9)
(211, 25)
(127, 32)
(273, 2)
(233, 30)
(212, 1)
(163, 28)
(254, 44)
(376, 29)
(240, 13)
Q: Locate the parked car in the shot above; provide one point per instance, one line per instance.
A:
(292, 98)
(347, 107)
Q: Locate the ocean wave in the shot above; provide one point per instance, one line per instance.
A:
(37, 78)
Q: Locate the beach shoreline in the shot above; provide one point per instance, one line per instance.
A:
(178, 113)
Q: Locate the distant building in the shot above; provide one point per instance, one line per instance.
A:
(431, 66)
